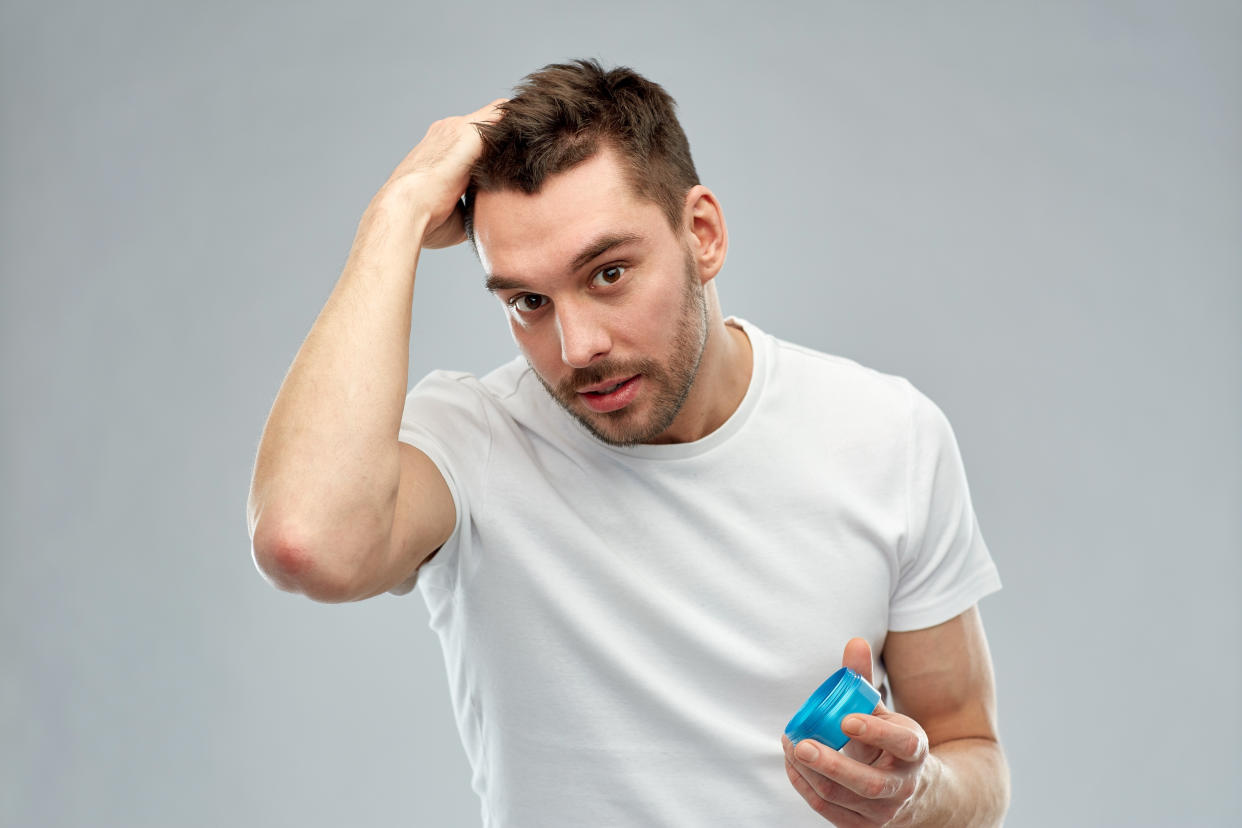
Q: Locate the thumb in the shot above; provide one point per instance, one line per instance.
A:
(857, 657)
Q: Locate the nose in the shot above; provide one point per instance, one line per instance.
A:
(584, 338)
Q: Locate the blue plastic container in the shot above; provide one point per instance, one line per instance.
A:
(844, 692)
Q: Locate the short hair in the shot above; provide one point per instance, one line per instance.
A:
(564, 114)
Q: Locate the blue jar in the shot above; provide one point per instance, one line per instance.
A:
(844, 692)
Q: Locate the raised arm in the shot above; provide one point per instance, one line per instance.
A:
(339, 510)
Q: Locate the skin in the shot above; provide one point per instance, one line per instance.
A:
(597, 287)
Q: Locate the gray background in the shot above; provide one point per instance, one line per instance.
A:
(1032, 210)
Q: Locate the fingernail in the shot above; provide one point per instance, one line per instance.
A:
(806, 751)
(854, 726)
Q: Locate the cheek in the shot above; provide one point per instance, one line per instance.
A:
(540, 349)
(665, 318)
(643, 327)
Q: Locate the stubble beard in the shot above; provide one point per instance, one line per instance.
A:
(671, 383)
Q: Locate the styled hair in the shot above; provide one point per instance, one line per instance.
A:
(567, 112)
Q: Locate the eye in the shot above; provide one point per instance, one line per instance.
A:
(607, 276)
(527, 302)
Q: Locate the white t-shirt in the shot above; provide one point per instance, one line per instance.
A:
(628, 630)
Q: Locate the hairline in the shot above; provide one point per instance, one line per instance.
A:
(603, 143)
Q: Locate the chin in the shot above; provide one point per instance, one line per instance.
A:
(614, 430)
(623, 428)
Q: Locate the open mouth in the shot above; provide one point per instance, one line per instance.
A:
(613, 396)
(605, 391)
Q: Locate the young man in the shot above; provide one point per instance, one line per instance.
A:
(643, 542)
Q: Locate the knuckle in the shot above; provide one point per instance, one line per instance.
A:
(821, 807)
(875, 788)
(832, 791)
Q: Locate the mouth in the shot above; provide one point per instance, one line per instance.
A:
(610, 395)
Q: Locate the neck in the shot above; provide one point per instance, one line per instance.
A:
(721, 382)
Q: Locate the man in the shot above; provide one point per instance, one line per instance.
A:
(643, 542)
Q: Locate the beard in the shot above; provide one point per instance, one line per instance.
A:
(668, 385)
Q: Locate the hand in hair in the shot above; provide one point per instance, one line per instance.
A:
(431, 180)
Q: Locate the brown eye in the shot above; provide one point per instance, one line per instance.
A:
(607, 276)
(527, 302)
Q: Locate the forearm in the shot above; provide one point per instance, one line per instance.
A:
(327, 470)
(964, 783)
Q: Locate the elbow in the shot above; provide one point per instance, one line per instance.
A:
(291, 564)
(1005, 793)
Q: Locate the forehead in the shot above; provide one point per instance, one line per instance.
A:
(524, 235)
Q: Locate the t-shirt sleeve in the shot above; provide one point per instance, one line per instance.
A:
(945, 566)
(444, 418)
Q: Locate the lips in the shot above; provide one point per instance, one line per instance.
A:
(610, 395)
(604, 387)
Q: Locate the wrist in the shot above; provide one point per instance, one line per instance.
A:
(394, 216)
(915, 811)
(962, 782)
(402, 199)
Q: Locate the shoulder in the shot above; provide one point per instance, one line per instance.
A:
(832, 386)
(461, 389)
(838, 369)
(457, 405)
(846, 400)
(880, 408)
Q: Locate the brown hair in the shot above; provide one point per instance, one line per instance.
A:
(562, 114)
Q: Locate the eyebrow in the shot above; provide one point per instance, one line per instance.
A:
(593, 250)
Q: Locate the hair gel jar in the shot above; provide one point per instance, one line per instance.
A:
(844, 692)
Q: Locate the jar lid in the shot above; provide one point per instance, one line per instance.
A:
(845, 692)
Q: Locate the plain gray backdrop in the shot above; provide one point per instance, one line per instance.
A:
(1031, 210)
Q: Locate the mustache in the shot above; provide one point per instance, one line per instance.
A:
(597, 373)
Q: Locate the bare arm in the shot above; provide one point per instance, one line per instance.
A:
(942, 678)
(338, 509)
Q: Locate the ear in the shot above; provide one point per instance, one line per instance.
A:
(706, 231)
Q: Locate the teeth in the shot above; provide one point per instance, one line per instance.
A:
(609, 390)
